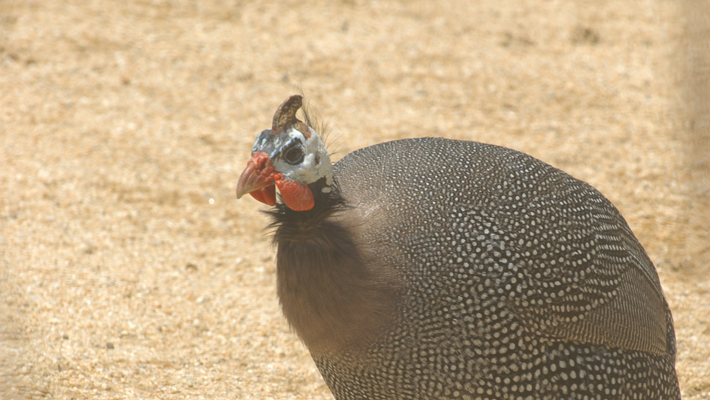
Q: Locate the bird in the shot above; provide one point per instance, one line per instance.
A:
(431, 268)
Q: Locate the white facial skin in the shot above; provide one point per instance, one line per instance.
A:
(307, 171)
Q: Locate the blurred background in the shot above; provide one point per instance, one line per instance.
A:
(129, 270)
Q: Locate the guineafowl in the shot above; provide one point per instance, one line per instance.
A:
(440, 269)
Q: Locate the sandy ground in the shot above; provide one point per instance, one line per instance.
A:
(129, 270)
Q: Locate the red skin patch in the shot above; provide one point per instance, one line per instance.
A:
(297, 196)
(259, 178)
(266, 195)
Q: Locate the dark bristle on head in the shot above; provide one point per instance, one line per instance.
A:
(313, 119)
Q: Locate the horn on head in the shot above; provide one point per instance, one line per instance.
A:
(285, 117)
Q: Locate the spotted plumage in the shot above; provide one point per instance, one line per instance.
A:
(442, 269)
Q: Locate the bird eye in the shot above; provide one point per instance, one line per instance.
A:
(294, 155)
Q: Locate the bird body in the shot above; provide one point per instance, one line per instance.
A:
(440, 269)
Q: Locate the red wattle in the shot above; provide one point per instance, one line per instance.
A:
(297, 196)
(266, 195)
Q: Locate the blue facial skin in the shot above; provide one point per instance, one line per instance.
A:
(273, 145)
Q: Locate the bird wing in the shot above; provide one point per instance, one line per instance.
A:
(579, 273)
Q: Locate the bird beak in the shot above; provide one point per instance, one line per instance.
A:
(257, 179)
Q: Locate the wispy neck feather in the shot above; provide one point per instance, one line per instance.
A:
(289, 224)
(331, 294)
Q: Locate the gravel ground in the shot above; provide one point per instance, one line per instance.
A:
(129, 270)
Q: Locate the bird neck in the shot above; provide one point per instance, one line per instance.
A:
(329, 291)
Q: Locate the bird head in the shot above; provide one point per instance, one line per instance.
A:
(290, 156)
